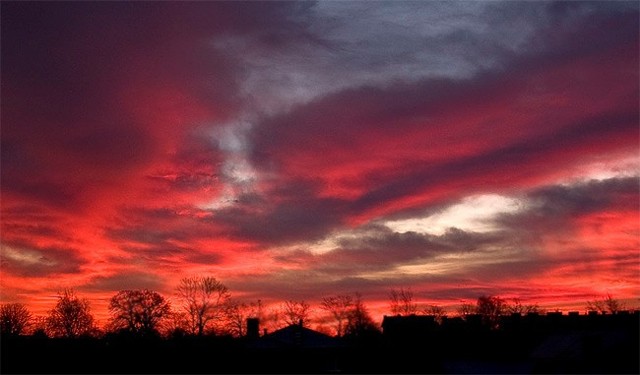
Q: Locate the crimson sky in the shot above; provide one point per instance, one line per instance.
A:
(295, 150)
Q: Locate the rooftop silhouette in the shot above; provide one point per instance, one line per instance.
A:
(529, 343)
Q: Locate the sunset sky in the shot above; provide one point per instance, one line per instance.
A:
(296, 150)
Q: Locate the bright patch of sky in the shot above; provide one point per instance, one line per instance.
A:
(327, 244)
(458, 262)
(230, 137)
(237, 174)
(25, 256)
(471, 214)
(606, 167)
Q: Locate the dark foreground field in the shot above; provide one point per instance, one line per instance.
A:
(565, 346)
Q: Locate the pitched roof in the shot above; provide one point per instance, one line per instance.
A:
(297, 336)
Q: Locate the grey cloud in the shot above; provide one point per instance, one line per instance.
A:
(293, 213)
(350, 44)
(26, 260)
(156, 235)
(378, 43)
(285, 223)
(377, 248)
(509, 253)
(620, 193)
(159, 225)
(553, 208)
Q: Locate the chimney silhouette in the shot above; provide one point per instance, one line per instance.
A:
(253, 328)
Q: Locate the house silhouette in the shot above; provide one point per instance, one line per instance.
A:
(294, 336)
(292, 349)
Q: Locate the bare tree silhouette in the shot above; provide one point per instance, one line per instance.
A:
(340, 308)
(272, 319)
(138, 311)
(71, 317)
(176, 324)
(237, 314)
(14, 319)
(295, 312)
(39, 326)
(516, 307)
(491, 308)
(402, 302)
(359, 322)
(466, 309)
(436, 311)
(605, 304)
(205, 301)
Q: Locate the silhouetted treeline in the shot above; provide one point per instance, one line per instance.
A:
(529, 343)
(210, 332)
